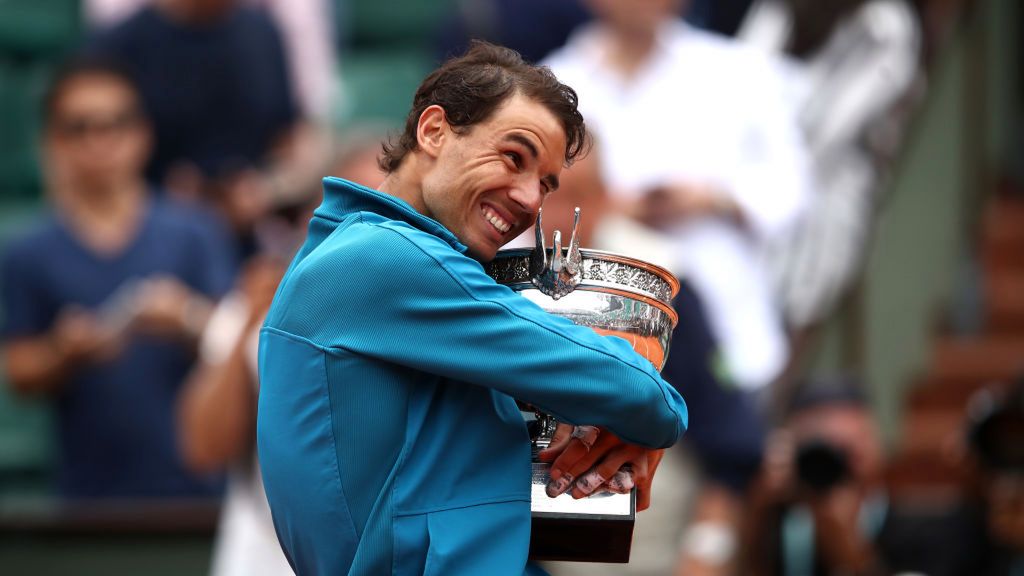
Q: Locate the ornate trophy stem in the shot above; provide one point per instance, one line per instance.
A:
(560, 274)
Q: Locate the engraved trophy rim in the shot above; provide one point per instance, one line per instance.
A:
(507, 276)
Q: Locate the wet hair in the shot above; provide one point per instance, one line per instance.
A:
(471, 87)
(81, 66)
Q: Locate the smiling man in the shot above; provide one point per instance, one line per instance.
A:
(388, 434)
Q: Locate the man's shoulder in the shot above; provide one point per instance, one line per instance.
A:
(376, 236)
(35, 241)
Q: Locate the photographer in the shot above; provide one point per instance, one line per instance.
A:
(818, 506)
(996, 454)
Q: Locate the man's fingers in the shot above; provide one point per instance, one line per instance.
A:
(561, 438)
(587, 458)
(590, 480)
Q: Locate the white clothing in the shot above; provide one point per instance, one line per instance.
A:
(704, 110)
(246, 542)
(849, 91)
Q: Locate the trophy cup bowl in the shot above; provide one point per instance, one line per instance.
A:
(614, 295)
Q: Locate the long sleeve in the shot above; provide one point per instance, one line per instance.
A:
(420, 304)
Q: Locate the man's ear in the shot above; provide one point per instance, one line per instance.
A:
(431, 130)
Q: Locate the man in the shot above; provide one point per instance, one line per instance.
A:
(819, 505)
(214, 78)
(104, 300)
(387, 430)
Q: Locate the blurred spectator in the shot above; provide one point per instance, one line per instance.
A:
(218, 409)
(728, 457)
(307, 31)
(996, 426)
(104, 300)
(819, 506)
(700, 147)
(214, 78)
(531, 27)
(851, 65)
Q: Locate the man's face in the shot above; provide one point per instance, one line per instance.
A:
(489, 182)
(96, 134)
(849, 428)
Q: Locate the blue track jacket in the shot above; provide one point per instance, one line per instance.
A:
(388, 436)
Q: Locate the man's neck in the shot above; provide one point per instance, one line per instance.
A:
(406, 183)
(105, 220)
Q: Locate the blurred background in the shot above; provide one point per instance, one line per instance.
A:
(839, 184)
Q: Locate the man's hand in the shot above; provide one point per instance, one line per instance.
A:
(166, 307)
(258, 283)
(587, 459)
(78, 336)
(664, 206)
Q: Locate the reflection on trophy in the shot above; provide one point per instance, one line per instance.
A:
(614, 295)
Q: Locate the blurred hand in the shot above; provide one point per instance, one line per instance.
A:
(166, 307)
(259, 283)
(667, 205)
(777, 482)
(244, 198)
(1006, 509)
(836, 513)
(587, 460)
(79, 336)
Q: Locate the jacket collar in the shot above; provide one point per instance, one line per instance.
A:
(342, 198)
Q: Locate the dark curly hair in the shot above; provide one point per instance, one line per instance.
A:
(471, 87)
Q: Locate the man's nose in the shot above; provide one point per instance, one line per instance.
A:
(528, 195)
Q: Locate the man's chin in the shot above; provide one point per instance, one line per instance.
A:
(482, 253)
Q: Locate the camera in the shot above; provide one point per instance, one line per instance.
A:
(995, 429)
(821, 466)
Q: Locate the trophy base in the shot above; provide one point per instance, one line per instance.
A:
(594, 529)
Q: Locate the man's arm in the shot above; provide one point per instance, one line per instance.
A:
(217, 412)
(404, 296)
(41, 364)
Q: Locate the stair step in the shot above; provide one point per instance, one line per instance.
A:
(916, 477)
(933, 432)
(989, 358)
(1003, 234)
(931, 393)
(1004, 302)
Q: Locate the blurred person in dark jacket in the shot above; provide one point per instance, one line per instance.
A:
(103, 300)
(214, 78)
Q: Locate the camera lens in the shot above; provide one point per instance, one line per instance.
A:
(820, 466)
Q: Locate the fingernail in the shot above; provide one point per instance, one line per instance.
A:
(588, 483)
(624, 479)
(556, 487)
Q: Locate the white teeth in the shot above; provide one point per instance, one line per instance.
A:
(496, 221)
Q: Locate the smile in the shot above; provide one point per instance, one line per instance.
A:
(499, 224)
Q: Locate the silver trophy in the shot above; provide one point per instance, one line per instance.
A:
(614, 295)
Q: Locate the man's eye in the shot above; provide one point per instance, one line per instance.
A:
(516, 159)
